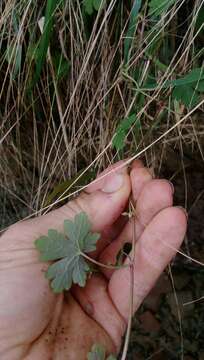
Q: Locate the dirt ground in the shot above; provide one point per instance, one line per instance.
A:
(164, 327)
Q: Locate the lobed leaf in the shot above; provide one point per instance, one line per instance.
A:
(61, 275)
(52, 247)
(68, 249)
(90, 241)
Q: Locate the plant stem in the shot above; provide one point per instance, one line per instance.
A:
(111, 267)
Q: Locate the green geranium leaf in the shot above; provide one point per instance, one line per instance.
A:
(68, 249)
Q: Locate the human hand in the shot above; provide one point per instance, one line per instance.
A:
(37, 324)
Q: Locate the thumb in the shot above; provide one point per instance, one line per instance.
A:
(103, 204)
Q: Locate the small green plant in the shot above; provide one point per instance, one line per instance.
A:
(98, 353)
(68, 250)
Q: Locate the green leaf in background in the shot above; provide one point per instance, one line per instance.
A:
(88, 6)
(97, 4)
(13, 54)
(129, 37)
(32, 51)
(121, 132)
(61, 66)
(187, 90)
(14, 57)
(200, 86)
(68, 249)
(186, 95)
(98, 353)
(193, 78)
(157, 7)
(91, 5)
(45, 38)
(200, 20)
(72, 184)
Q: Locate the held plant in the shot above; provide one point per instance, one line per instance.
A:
(68, 251)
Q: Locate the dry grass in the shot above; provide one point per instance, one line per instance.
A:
(63, 126)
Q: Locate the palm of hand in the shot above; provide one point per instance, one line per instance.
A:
(45, 326)
(35, 323)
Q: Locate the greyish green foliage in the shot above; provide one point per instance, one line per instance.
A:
(68, 250)
(98, 353)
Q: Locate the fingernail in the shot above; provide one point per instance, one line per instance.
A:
(184, 211)
(113, 183)
(172, 186)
